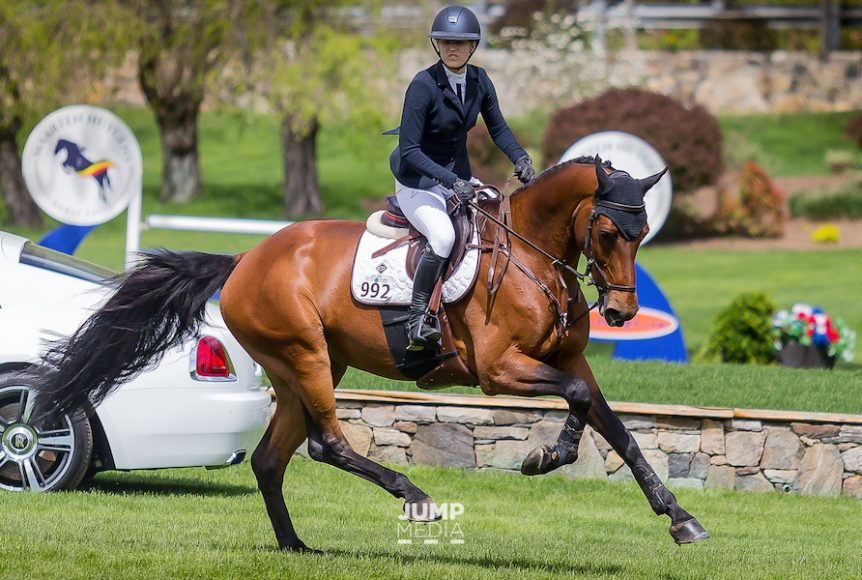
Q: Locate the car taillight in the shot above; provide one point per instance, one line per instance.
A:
(211, 360)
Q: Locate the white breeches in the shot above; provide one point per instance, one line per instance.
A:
(426, 210)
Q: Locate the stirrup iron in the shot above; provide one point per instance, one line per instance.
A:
(424, 331)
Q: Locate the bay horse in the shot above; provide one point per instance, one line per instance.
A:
(288, 302)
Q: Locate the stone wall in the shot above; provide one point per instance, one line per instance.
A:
(721, 81)
(812, 453)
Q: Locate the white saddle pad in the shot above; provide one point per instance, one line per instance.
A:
(384, 280)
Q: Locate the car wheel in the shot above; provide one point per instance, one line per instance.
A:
(36, 455)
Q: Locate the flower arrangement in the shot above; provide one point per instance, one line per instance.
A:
(810, 325)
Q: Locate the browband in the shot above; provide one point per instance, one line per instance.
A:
(621, 206)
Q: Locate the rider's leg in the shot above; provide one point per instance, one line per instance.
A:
(423, 329)
(426, 210)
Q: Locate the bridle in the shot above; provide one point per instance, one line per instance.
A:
(592, 264)
(593, 274)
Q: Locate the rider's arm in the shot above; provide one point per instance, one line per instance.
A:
(497, 126)
(417, 102)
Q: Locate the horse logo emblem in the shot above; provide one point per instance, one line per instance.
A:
(82, 165)
(77, 162)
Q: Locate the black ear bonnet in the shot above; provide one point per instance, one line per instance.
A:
(620, 197)
(624, 191)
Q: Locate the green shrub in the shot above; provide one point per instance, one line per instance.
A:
(742, 333)
(689, 139)
(843, 203)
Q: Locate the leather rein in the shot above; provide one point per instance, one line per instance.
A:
(502, 243)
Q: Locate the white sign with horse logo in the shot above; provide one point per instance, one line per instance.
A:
(82, 165)
(637, 158)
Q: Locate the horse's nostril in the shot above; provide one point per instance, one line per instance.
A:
(614, 317)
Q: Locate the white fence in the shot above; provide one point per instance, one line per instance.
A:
(210, 224)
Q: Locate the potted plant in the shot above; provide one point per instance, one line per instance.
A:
(806, 337)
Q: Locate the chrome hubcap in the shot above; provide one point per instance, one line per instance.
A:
(19, 442)
(34, 455)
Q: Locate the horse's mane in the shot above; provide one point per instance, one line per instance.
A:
(554, 169)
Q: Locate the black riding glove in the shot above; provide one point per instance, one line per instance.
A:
(463, 190)
(524, 169)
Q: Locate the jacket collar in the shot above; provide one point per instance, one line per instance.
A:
(438, 71)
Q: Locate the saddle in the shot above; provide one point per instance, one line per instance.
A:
(430, 368)
(393, 224)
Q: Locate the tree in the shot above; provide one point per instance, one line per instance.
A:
(313, 69)
(51, 51)
(181, 44)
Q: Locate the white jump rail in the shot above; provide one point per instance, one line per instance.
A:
(211, 224)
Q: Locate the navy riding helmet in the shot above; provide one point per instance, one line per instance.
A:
(455, 23)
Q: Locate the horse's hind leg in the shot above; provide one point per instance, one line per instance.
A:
(312, 376)
(684, 528)
(285, 434)
(327, 443)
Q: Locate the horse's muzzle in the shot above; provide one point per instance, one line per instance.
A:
(619, 309)
(614, 317)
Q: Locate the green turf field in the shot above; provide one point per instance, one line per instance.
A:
(198, 524)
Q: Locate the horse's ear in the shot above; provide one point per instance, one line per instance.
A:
(604, 180)
(648, 182)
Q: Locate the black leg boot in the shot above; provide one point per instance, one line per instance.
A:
(423, 329)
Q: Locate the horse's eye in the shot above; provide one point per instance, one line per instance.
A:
(608, 235)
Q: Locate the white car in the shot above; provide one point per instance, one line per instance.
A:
(203, 405)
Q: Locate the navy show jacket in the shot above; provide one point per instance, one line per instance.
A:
(432, 144)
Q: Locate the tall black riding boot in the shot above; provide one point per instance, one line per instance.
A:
(423, 329)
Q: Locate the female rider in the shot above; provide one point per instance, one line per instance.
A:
(430, 163)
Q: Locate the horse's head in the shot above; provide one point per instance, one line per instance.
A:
(74, 153)
(64, 144)
(615, 228)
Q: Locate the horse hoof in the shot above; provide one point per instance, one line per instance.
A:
(421, 511)
(688, 532)
(537, 461)
(302, 549)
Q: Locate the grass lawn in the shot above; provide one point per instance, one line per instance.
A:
(700, 283)
(195, 523)
(787, 145)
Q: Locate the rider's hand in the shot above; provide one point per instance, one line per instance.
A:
(463, 190)
(524, 169)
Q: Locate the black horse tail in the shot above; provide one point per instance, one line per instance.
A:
(157, 304)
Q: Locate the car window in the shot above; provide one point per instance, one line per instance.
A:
(46, 259)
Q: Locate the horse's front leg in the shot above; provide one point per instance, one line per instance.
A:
(518, 374)
(684, 527)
